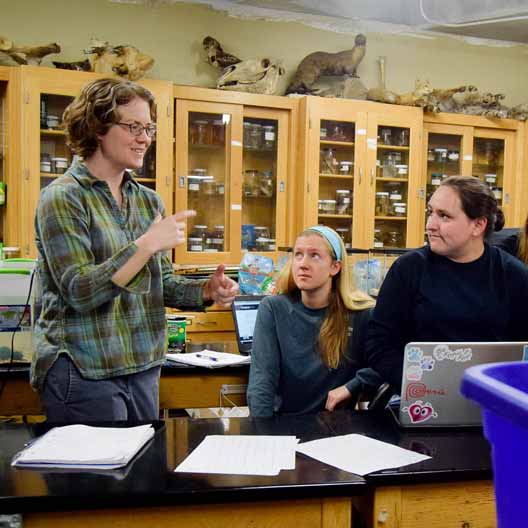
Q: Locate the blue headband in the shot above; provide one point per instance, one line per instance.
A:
(332, 238)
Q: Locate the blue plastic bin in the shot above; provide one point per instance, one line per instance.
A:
(501, 389)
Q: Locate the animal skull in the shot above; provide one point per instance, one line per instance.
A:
(252, 76)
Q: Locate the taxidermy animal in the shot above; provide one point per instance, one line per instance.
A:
(445, 100)
(382, 95)
(322, 63)
(519, 112)
(216, 56)
(77, 66)
(253, 76)
(418, 97)
(31, 55)
(126, 61)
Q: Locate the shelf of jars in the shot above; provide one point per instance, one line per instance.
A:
(488, 163)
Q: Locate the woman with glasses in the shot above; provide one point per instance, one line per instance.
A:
(103, 267)
(307, 352)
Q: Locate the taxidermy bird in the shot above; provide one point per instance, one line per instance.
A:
(216, 56)
(322, 63)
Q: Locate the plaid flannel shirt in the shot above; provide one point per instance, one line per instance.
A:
(83, 238)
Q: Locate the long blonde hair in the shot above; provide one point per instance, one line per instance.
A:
(333, 336)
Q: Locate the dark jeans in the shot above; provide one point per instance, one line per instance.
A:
(70, 398)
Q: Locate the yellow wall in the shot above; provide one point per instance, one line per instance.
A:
(173, 35)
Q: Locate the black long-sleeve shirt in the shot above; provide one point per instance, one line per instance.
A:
(427, 297)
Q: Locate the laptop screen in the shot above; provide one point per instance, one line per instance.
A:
(245, 315)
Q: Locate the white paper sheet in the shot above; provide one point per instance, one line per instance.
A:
(210, 359)
(359, 454)
(241, 455)
(83, 446)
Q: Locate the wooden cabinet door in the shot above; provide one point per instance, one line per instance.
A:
(208, 180)
(494, 163)
(333, 159)
(45, 93)
(393, 196)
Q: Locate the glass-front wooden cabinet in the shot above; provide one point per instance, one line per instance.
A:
(488, 149)
(231, 167)
(361, 170)
(45, 93)
(4, 135)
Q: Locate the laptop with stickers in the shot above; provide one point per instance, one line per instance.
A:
(432, 373)
(245, 308)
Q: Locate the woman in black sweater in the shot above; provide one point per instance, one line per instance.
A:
(457, 288)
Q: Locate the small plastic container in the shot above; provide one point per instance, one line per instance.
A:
(501, 389)
(378, 238)
(45, 166)
(52, 121)
(262, 232)
(346, 168)
(490, 179)
(497, 191)
(218, 237)
(398, 209)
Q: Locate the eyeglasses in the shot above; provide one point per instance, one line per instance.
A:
(136, 129)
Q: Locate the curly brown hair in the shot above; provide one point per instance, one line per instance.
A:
(96, 109)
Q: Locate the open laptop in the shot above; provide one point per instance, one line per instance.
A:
(432, 374)
(245, 309)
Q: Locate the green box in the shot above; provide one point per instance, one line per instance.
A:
(176, 333)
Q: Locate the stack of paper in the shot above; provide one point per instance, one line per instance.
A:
(359, 454)
(85, 447)
(241, 455)
(210, 359)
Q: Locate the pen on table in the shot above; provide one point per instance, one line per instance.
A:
(206, 357)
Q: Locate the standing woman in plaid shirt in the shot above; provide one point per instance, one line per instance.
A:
(103, 267)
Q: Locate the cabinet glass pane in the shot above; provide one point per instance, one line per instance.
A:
(207, 181)
(259, 184)
(3, 153)
(55, 156)
(443, 159)
(392, 171)
(488, 163)
(336, 177)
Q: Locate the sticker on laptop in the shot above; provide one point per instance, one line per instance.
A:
(420, 411)
(414, 373)
(414, 354)
(443, 352)
(427, 363)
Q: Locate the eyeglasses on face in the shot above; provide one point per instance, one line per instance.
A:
(136, 129)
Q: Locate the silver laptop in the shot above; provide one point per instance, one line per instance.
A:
(245, 308)
(432, 373)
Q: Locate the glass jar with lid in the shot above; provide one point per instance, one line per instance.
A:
(436, 178)
(268, 137)
(246, 134)
(266, 183)
(200, 132)
(440, 155)
(394, 239)
(382, 203)
(195, 179)
(344, 233)
(328, 163)
(346, 168)
(251, 182)
(395, 195)
(399, 209)
(262, 232)
(388, 169)
(209, 186)
(378, 238)
(262, 244)
(329, 206)
(386, 136)
(255, 136)
(198, 231)
(343, 201)
(218, 237)
(218, 133)
(195, 244)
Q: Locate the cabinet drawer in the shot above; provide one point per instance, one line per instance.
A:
(213, 321)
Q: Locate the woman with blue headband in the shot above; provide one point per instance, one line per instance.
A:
(306, 353)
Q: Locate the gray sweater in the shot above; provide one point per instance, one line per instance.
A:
(287, 375)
